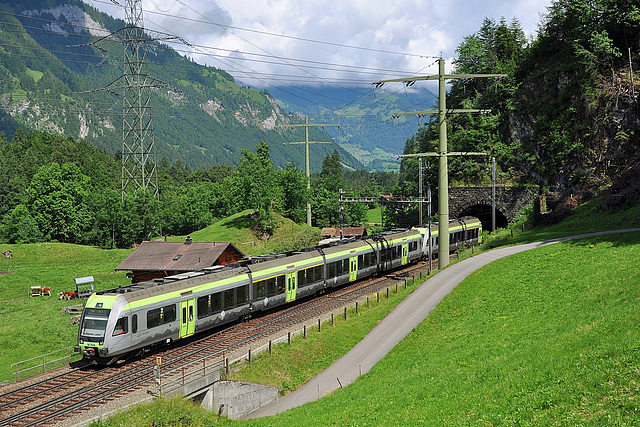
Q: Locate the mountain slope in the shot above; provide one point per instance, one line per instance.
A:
(367, 129)
(61, 60)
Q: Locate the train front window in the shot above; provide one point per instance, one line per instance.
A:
(94, 323)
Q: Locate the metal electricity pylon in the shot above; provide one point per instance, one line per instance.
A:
(306, 142)
(134, 86)
(138, 153)
(442, 154)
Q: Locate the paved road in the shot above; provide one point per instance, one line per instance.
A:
(393, 328)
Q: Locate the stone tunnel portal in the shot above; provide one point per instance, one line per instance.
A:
(483, 213)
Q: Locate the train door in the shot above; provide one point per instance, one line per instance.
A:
(353, 268)
(187, 317)
(405, 253)
(291, 286)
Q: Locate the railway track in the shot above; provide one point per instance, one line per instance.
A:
(55, 399)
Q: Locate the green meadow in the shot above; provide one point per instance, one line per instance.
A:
(31, 327)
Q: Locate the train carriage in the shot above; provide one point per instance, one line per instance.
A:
(400, 247)
(350, 261)
(281, 279)
(126, 319)
(464, 231)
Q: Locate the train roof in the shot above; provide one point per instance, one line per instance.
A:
(178, 282)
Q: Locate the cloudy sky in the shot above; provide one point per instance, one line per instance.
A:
(343, 42)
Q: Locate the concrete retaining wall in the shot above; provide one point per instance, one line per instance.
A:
(235, 399)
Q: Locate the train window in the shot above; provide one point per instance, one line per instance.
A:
(367, 259)
(331, 269)
(160, 316)
(344, 266)
(121, 326)
(271, 287)
(169, 313)
(190, 313)
(216, 302)
(339, 268)
(204, 306)
(280, 284)
(302, 277)
(184, 314)
(318, 273)
(242, 294)
(134, 323)
(229, 299)
(153, 318)
(260, 289)
(361, 261)
(413, 246)
(94, 322)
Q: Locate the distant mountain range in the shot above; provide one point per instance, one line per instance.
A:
(367, 130)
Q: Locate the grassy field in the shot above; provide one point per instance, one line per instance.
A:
(34, 326)
(237, 229)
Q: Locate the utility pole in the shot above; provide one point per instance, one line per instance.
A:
(306, 142)
(420, 189)
(443, 172)
(493, 194)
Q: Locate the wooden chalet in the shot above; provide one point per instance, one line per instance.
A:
(158, 259)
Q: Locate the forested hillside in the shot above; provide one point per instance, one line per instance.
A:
(54, 188)
(566, 117)
(60, 63)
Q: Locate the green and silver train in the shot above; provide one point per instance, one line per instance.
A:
(131, 319)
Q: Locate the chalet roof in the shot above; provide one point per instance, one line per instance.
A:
(346, 231)
(175, 256)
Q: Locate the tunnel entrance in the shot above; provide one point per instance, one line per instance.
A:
(483, 213)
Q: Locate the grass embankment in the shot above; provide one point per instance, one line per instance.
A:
(237, 229)
(31, 327)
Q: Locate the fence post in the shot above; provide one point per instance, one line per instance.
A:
(333, 323)
(345, 313)
(249, 355)
(270, 349)
(319, 327)
(289, 337)
(304, 329)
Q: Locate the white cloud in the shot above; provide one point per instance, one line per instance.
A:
(407, 27)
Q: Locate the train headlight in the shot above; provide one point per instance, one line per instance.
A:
(81, 341)
(101, 342)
